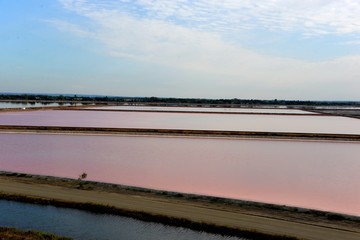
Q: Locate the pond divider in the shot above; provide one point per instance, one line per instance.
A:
(182, 132)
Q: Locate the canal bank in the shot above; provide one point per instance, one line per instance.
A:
(181, 210)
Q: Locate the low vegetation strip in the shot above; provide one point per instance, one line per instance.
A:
(183, 132)
(16, 234)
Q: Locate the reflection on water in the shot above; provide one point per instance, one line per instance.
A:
(232, 122)
(83, 225)
(320, 175)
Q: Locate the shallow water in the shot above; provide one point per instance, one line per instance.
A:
(84, 225)
(311, 174)
(26, 105)
(201, 109)
(193, 121)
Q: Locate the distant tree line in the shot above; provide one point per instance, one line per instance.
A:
(166, 101)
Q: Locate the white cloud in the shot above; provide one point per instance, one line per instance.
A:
(311, 17)
(158, 39)
(69, 27)
(355, 42)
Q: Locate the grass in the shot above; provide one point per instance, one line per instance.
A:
(16, 234)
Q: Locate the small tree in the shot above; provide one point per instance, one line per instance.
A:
(82, 176)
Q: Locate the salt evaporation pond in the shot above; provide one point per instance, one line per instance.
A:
(84, 225)
(310, 174)
(192, 121)
(202, 109)
(32, 105)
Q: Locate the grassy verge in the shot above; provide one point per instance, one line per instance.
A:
(16, 234)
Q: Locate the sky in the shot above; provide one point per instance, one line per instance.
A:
(246, 49)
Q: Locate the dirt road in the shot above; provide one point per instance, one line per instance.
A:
(178, 209)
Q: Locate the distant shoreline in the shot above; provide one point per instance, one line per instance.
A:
(210, 214)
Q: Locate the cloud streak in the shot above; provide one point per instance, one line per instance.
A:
(187, 35)
(311, 17)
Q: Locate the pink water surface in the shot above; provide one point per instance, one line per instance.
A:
(197, 121)
(320, 175)
(204, 109)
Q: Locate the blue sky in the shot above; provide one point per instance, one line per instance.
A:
(269, 49)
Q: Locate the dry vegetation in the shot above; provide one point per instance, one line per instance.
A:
(16, 234)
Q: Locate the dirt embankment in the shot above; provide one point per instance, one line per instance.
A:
(197, 212)
(181, 132)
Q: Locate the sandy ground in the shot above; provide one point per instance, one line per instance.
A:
(211, 213)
